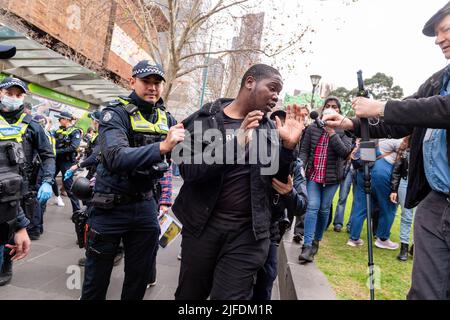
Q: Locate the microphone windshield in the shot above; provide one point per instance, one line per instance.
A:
(314, 115)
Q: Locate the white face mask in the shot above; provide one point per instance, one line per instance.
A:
(328, 111)
(11, 104)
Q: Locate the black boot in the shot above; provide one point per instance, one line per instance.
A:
(306, 255)
(298, 238)
(403, 255)
(315, 247)
(6, 271)
(411, 250)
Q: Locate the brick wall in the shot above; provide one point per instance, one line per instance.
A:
(83, 25)
(80, 24)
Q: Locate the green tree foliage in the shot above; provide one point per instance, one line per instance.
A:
(380, 86)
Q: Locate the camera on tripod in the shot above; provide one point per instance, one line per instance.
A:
(368, 151)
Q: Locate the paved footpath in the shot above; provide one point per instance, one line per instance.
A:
(50, 271)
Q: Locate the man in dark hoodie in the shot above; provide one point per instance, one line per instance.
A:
(225, 208)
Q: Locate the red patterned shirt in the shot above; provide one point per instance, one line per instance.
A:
(320, 159)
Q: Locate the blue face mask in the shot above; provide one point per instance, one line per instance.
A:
(11, 104)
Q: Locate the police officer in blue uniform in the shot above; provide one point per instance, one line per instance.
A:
(135, 145)
(15, 227)
(92, 152)
(33, 143)
(68, 140)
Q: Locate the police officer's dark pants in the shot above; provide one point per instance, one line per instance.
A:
(262, 291)
(220, 263)
(36, 226)
(63, 166)
(431, 268)
(137, 225)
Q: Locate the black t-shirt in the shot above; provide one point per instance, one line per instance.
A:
(233, 208)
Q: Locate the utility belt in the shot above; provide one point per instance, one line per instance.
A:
(109, 201)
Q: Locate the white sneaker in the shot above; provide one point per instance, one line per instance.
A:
(60, 202)
(354, 244)
(388, 244)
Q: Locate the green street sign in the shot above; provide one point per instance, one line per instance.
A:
(50, 94)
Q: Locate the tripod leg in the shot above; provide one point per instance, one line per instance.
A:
(368, 189)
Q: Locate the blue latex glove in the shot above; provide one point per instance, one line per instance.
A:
(45, 192)
(68, 175)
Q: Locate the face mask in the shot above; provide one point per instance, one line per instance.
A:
(328, 111)
(11, 104)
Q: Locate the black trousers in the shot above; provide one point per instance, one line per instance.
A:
(221, 264)
(136, 224)
(431, 268)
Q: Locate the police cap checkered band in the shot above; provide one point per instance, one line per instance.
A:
(144, 69)
(11, 82)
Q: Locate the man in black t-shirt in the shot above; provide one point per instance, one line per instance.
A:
(225, 208)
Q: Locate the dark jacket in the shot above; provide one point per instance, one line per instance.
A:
(413, 117)
(67, 146)
(399, 171)
(120, 160)
(339, 147)
(203, 183)
(35, 142)
(295, 202)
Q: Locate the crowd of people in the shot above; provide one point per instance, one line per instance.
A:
(233, 214)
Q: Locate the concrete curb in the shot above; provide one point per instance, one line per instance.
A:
(300, 282)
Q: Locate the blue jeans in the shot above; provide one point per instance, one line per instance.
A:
(320, 198)
(344, 190)
(381, 190)
(407, 214)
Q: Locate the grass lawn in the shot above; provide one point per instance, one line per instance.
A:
(346, 267)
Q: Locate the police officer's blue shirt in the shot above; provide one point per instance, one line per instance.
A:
(437, 169)
(119, 159)
(69, 144)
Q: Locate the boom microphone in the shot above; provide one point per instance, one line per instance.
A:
(319, 122)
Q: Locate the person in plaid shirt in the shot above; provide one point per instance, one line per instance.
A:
(165, 202)
(323, 152)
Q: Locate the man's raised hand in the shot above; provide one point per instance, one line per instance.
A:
(250, 123)
(291, 131)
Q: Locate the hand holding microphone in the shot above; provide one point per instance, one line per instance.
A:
(337, 120)
(319, 122)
